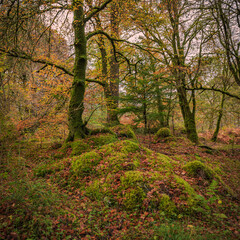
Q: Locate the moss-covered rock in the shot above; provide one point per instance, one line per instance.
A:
(124, 131)
(163, 133)
(84, 164)
(199, 169)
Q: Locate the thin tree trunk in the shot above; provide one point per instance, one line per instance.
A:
(114, 70)
(215, 134)
(77, 128)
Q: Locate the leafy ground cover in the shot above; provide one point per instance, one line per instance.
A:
(130, 188)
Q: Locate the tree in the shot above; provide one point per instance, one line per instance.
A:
(173, 27)
(28, 10)
(225, 14)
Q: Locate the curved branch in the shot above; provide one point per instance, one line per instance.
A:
(112, 40)
(214, 89)
(16, 54)
(96, 10)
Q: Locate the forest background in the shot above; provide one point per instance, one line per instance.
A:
(71, 71)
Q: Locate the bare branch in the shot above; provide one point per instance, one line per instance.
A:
(213, 89)
(96, 10)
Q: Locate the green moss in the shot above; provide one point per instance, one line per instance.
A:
(117, 156)
(185, 186)
(159, 161)
(103, 139)
(79, 146)
(65, 147)
(85, 145)
(93, 191)
(124, 147)
(133, 198)
(199, 169)
(45, 169)
(130, 147)
(84, 164)
(165, 204)
(132, 178)
(163, 133)
(189, 195)
(124, 131)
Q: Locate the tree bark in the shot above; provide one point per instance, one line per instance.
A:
(113, 98)
(215, 134)
(77, 128)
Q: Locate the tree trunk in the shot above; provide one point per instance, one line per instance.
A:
(77, 128)
(160, 107)
(188, 116)
(215, 134)
(145, 112)
(113, 98)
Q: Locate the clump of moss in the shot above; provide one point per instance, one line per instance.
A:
(189, 195)
(117, 156)
(132, 178)
(186, 187)
(85, 145)
(95, 190)
(124, 131)
(65, 147)
(199, 169)
(163, 133)
(125, 147)
(84, 164)
(101, 130)
(165, 204)
(45, 169)
(79, 146)
(102, 139)
(133, 198)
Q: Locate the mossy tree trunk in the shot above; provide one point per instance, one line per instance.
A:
(77, 128)
(113, 98)
(215, 134)
(178, 62)
(160, 107)
(107, 84)
(188, 115)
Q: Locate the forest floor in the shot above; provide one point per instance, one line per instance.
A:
(45, 207)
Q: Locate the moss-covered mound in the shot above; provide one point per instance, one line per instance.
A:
(125, 175)
(199, 169)
(163, 133)
(124, 132)
(85, 145)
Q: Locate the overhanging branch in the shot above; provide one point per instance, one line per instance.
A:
(215, 90)
(15, 54)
